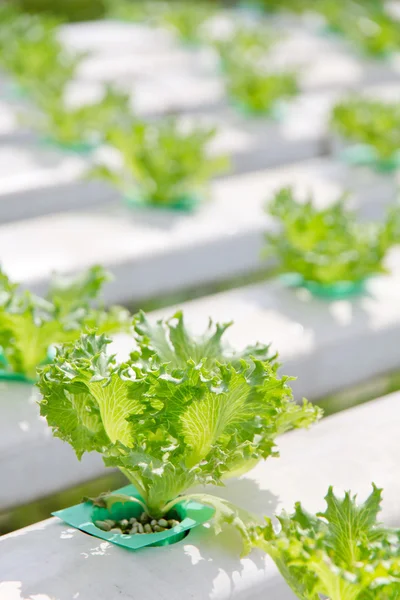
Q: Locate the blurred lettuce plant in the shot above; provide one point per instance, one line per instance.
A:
(162, 163)
(328, 246)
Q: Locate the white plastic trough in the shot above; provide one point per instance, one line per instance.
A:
(327, 345)
(52, 561)
(35, 180)
(155, 252)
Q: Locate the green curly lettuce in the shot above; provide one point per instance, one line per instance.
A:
(30, 325)
(162, 164)
(366, 25)
(329, 245)
(167, 427)
(251, 43)
(50, 65)
(83, 124)
(371, 122)
(376, 35)
(343, 553)
(256, 90)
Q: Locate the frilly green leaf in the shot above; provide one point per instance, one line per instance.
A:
(343, 553)
(30, 325)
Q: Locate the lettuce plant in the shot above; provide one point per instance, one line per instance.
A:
(329, 246)
(80, 125)
(366, 25)
(162, 164)
(182, 411)
(256, 90)
(371, 123)
(343, 553)
(30, 325)
(248, 42)
(49, 64)
(376, 35)
(186, 18)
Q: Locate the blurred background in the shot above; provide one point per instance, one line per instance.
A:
(153, 138)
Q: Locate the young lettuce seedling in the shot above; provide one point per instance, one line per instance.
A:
(162, 164)
(377, 35)
(30, 325)
(366, 25)
(49, 64)
(343, 553)
(250, 43)
(329, 246)
(371, 123)
(182, 411)
(256, 90)
(78, 127)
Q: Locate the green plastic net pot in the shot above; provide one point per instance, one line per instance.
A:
(83, 148)
(7, 375)
(365, 155)
(82, 516)
(276, 113)
(184, 204)
(340, 290)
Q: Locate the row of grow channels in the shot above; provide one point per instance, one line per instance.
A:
(164, 165)
(182, 411)
(242, 52)
(370, 27)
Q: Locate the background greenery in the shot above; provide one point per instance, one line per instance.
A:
(71, 10)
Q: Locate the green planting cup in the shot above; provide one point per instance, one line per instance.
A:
(335, 291)
(365, 155)
(7, 375)
(82, 516)
(340, 290)
(276, 113)
(83, 148)
(184, 204)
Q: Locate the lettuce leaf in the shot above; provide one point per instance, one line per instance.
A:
(168, 425)
(30, 325)
(169, 341)
(343, 553)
